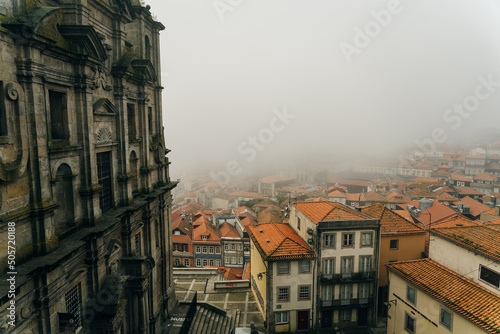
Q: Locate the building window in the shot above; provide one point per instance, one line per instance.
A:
(327, 292)
(411, 295)
(186, 262)
(446, 318)
(348, 240)
(283, 267)
(211, 249)
(132, 132)
(138, 244)
(204, 237)
(328, 266)
(176, 247)
(205, 263)
(345, 292)
(217, 263)
(217, 250)
(59, 123)
(240, 260)
(345, 315)
(329, 240)
(298, 224)
(211, 262)
(104, 180)
(347, 266)
(489, 276)
(177, 262)
(198, 262)
(227, 259)
(281, 317)
(198, 249)
(393, 244)
(74, 304)
(365, 264)
(409, 323)
(184, 247)
(364, 290)
(304, 292)
(304, 266)
(204, 249)
(240, 247)
(367, 239)
(226, 246)
(283, 294)
(233, 260)
(233, 247)
(150, 120)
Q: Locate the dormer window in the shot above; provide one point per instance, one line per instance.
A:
(204, 237)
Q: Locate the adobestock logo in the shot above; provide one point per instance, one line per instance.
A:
(363, 37)
(254, 144)
(458, 112)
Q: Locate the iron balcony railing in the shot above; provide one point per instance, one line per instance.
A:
(348, 277)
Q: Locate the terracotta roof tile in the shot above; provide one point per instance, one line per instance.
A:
(468, 191)
(475, 207)
(391, 222)
(454, 221)
(318, 211)
(205, 228)
(279, 242)
(228, 231)
(480, 238)
(337, 194)
(445, 197)
(372, 196)
(463, 296)
(485, 177)
(436, 212)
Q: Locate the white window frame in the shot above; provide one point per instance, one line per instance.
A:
(281, 267)
(281, 317)
(364, 237)
(304, 266)
(408, 299)
(329, 240)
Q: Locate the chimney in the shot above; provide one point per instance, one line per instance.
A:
(497, 210)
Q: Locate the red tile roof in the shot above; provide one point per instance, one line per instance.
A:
(463, 296)
(271, 214)
(454, 221)
(485, 177)
(228, 231)
(468, 191)
(445, 197)
(279, 242)
(372, 196)
(337, 194)
(318, 211)
(480, 239)
(391, 222)
(205, 228)
(475, 207)
(436, 212)
(395, 197)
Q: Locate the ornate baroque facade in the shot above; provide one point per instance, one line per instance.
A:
(83, 168)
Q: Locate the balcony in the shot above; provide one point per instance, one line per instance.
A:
(348, 278)
(345, 303)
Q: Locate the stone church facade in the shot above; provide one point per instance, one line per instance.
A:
(85, 191)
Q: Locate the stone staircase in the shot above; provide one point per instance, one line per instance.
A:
(210, 319)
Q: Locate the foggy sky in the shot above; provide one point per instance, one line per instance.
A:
(225, 79)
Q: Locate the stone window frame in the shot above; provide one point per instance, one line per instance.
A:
(308, 286)
(353, 241)
(333, 239)
(361, 245)
(287, 293)
(442, 309)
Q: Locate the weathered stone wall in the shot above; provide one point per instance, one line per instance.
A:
(68, 71)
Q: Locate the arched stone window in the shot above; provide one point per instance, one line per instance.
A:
(64, 216)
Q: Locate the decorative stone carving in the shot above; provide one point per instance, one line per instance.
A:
(14, 158)
(100, 78)
(104, 135)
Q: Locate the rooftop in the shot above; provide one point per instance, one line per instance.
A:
(279, 242)
(463, 296)
(320, 211)
(391, 222)
(480, 238)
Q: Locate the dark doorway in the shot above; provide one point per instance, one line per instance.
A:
(362, 317)
(326, 319)
(302, 320)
